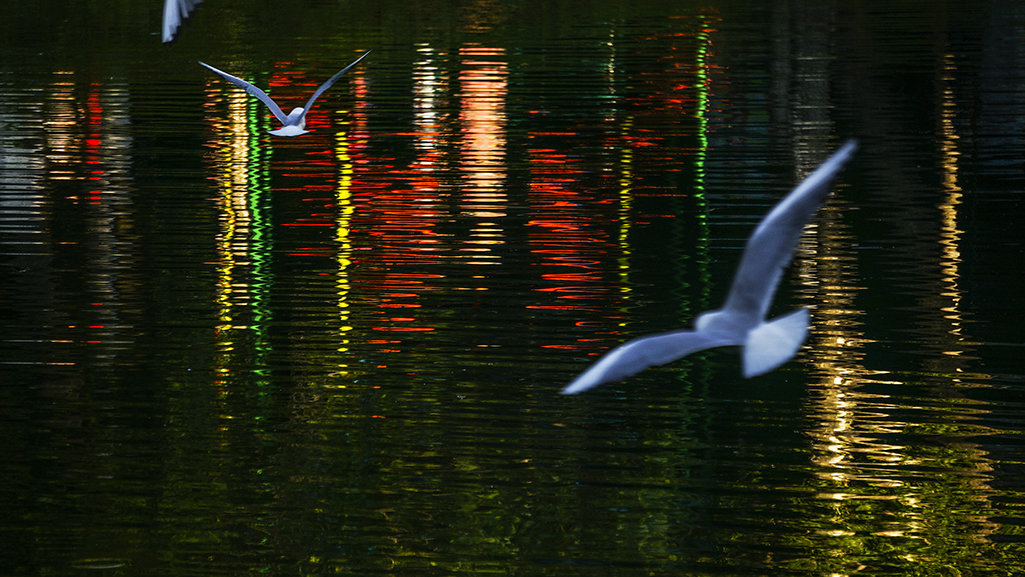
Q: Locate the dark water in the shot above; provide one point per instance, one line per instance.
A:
(226, 353)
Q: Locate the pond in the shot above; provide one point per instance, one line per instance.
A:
(225, 352)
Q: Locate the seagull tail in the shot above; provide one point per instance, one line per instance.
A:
(773, 343)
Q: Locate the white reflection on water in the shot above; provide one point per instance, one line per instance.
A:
(23, 168)
(430, 85)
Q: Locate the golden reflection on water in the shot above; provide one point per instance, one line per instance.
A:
(483, 85)
(861, 448)
(950, 233)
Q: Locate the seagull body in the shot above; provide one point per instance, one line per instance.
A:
(741, 320)
(294, 123)
(174, 12)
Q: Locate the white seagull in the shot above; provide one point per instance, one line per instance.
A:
(741, 321)
(174, 12)
(295, 123)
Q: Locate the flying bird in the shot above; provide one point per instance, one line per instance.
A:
(174, 12)
(741, 320)
(294, 123)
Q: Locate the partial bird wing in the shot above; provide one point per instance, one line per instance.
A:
(771, 246)
(634, 356)
(174, 12)
(254, 90)
(327, 84)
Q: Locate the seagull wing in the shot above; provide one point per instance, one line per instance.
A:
(254, 90)
(772, 244)
(634, 356)
(327, 84)
(174, 12)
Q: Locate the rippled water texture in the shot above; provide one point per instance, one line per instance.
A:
(226, 353)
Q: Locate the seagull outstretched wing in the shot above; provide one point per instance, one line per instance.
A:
(254, 90)
(772, 244)
(327, 83)
(646, 352)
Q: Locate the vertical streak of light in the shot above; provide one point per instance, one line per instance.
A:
(703, 89)
(24, 203)
(626, 179)
(427, 81)
(483, 91)
(236, 219)
(347, 142)
(262, 244)
(950, 233)
(109, 218)
(343, 226)
(244, 243)
(430, 85)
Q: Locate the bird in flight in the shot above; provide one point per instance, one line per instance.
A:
(741, 320)
(174, 12)
(294, 123)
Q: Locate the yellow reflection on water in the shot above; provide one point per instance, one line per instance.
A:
(875, 465)
(950, 233)
(626, 177)
(344, 209)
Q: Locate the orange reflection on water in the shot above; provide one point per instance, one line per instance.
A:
(483, 85)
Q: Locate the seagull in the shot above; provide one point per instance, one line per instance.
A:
(741, 320)
(295, 123)
(174, 12)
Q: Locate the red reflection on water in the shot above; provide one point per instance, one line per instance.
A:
(401, 209)
(565, 232)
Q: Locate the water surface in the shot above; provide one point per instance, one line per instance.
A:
(223, 352)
